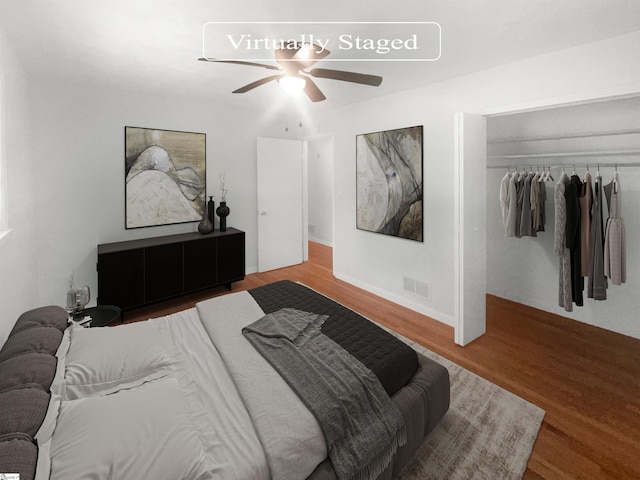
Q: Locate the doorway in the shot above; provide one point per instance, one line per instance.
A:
(320, 165)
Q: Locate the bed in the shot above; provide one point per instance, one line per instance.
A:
(188, 396)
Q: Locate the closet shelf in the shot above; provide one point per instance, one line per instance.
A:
(604, 153)
(629, 131)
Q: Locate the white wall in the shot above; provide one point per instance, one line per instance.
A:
(378, 262)
(74, 187)
(18, 271)
(321, 181)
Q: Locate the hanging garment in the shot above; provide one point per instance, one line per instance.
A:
(571, 191)
(541, 220)
(586, 202)
(520, 179)
(512, 209)
(534, 199)
(615, 238)
(560, 244)
(526, 229)
(504, 198)
(597, 283)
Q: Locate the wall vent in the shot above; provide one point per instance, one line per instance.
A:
(409, 284)
(417, 287)
(422, 289)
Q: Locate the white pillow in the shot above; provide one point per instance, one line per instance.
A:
(57, 386)
(144, 432)
(105, 360)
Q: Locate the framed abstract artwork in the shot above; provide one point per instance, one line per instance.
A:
(389, 167)
(165, 177)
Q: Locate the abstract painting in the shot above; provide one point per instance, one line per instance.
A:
(165, 177)
(389, 182)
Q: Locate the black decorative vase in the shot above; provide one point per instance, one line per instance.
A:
(223, 212)
(211, 211)
(205, 226)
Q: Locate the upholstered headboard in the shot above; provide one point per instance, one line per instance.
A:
(27, 368)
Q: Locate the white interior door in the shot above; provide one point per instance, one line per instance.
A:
(281, 229)
(470, 226)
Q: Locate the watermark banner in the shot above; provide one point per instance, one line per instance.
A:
(345, 41)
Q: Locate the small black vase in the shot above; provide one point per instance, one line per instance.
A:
(205, 226)
(222, 212)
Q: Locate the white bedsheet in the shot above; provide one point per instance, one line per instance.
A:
(289, 432)
(222, 417)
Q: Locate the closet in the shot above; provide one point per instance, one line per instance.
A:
(596, 138)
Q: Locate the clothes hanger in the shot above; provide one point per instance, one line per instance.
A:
(545, 174)
(522, 174)
(537, 175)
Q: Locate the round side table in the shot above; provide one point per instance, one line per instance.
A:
(100, 316)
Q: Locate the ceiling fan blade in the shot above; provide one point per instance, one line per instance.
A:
(308, 56)
(352, 77)
(302, 56)
(257, 83)
(312, 91)
(241, 62)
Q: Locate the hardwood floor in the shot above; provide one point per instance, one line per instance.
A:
(587, 379)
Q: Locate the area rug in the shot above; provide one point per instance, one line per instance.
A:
(488, 432)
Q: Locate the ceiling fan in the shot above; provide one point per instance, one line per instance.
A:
(293, 64)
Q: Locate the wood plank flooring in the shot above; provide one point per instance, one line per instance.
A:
(587, 379)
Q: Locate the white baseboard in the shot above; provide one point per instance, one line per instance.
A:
(399, 299)
(320, 241)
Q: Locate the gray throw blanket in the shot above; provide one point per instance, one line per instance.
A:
(362, 427)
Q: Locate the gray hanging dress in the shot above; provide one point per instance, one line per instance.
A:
(615, 238)
(559, 244)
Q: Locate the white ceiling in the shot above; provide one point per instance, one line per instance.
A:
(153, 45)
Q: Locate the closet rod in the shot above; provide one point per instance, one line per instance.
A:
(574, 165)
(606, 153)
(630, 131)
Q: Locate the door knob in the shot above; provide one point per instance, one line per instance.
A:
(261, 212)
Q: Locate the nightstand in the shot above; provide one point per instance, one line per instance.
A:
(101, 316)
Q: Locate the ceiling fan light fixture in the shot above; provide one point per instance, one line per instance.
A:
(292, 84)
(306, 51)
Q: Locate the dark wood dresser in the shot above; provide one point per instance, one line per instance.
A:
(139, 272)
